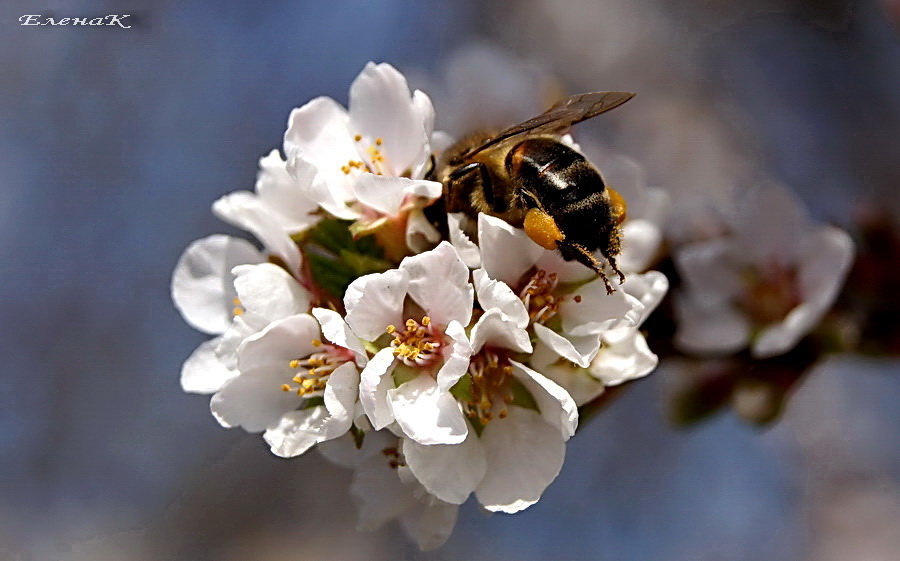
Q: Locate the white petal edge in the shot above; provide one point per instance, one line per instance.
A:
(202, 288)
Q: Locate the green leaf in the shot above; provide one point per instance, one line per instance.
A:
(364, 264)
(330, 274)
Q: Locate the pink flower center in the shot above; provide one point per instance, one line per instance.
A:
(316, 368)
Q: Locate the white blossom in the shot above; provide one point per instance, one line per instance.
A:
(368, 163)
(765, 284)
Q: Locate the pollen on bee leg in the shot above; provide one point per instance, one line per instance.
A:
(542, 229)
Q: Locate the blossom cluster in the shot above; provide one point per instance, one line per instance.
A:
(436, 362)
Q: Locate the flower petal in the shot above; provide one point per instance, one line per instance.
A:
(468, 251)
(421, 235)
(449, 472)
(386, 194)
(332, 197)
(710, 269)
(203, 372)
(268, 291)
(641, 241)
(375, 301)
(244, 210)
(458, 362)
(297, 432)
(826, 256)
(317, 134)
(556, 405)
(336, 330)
(649, 288)
(429, 525)
(279, 343)
(524, 455)
(494, 328)
(341, 393)
(439, 283)
(597, 311)
(286, 195)
(580, 350)
(427, 414)
(497, 294)
(379, 494)
(575, 380)
(624, 356)
(254, 400)
(201, 284)
(705, 328)
(506, 252)
(375, 382)
(381, 106)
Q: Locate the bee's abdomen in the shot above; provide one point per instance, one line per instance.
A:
(558, 176)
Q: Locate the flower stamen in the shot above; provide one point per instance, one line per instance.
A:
(317, 367)
(538, 297)
(416, 345)
(490, 373)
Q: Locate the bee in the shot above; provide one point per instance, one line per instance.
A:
(528, 177)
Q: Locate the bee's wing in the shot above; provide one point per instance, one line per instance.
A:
(559, 117)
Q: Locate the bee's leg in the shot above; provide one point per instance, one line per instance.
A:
(429, 175)
(612, 263)
(595, 264)
(470, 190)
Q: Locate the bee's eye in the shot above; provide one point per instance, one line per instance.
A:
(542, 228)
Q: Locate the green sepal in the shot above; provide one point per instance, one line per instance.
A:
(462, 390)
(521, 396)
(358, 435)
(344, 258)
(311, 402)
(403, 374)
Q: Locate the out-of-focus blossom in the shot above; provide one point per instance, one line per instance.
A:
(766, 284)
(384, 489)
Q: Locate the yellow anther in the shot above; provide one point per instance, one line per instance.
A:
(295, 363)
(426, 321)
(379, 141)
(410, 323)
(312, 372)
(237, 311)
(285, 388)
(357, 137)
(390, 329)
(316, 343)
(236, 301)
(308, 383)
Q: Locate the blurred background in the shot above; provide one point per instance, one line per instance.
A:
(114, 143)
